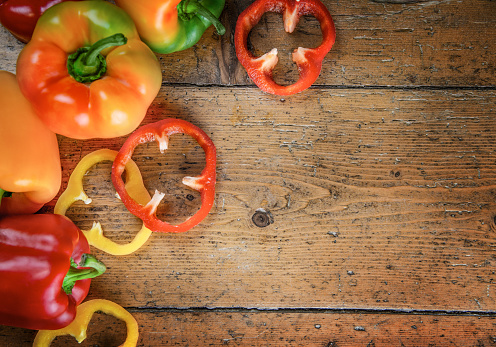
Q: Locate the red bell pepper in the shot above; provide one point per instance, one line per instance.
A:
(20, 16)
(205, 183)
(309, 61)
(41, 285)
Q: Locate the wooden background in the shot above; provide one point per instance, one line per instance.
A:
(377, 185)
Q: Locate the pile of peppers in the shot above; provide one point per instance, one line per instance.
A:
(89, 70)
(79, 79)
(45, 261)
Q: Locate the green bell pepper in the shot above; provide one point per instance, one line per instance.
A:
(168, 26)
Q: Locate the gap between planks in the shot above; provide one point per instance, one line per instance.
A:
(343, 311)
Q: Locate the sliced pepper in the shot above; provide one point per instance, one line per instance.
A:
(205, 183)
(86, 71)
(20, 16)
(30, 172)
(80, 324)
(41, 284)
(308, 60)
(75, 192)
(168, 26)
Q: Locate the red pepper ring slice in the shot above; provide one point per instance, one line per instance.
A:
(308, 60)
(205, 183)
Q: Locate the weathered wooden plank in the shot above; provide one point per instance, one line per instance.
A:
(421, 43)
(251, 328)
(378, 199)
(435, 43)
(441, 43)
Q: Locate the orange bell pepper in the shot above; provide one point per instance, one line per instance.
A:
(30, 173)
(87, 72)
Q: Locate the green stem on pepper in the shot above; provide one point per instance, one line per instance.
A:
(96, 268)
(187, 9)
(4, 194)
(87, 64)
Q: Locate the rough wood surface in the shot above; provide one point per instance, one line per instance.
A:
(377, 199)
(309, 329)
(360, 212)
(410, 43)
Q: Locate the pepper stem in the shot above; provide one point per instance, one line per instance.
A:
(87, 64)
(4, 194)
(187, 9)
(96, 268)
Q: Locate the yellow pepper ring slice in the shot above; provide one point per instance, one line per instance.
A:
(84, 314)
(75, 192)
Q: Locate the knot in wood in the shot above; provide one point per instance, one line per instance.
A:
(262, 218)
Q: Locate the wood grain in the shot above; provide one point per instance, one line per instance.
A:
(274, 328)
(422, 43)
(378, 199)
(360, 212)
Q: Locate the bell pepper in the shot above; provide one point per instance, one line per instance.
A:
(79, 325)
(168, 26)
(205, 183)
(308, 60)
(30, 173)
(20, 16)
(41, 282)
(75, 192)
(86, 71)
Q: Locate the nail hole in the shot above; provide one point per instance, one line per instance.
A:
(190, 197)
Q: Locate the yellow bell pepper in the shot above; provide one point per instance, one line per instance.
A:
(84, 314)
